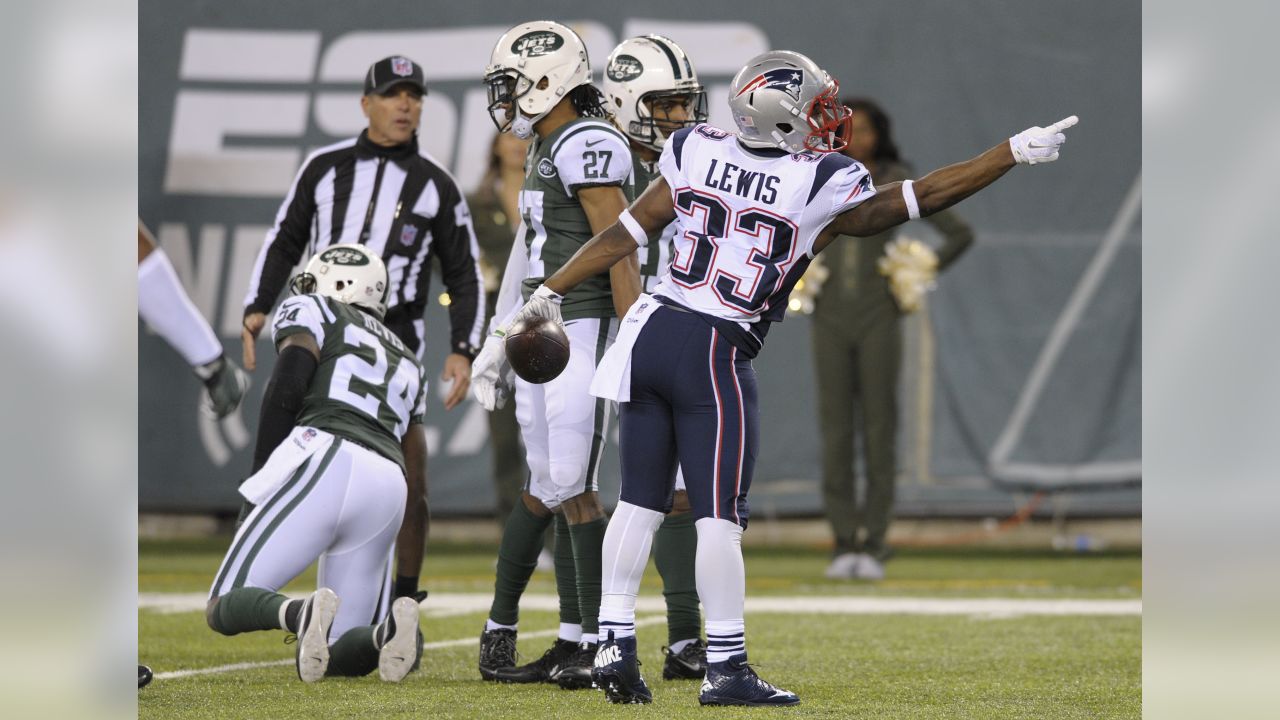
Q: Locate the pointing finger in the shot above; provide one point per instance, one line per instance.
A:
(1063, 124)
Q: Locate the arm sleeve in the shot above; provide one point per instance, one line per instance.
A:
(512, 278)
(301, 314)
(285, 242)
(454, 242)
(282, 401)
(957, 236)
(592, 157)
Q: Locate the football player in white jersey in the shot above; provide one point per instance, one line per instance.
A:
(753, 207)
(652, 89)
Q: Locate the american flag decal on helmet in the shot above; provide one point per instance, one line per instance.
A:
(787, 80)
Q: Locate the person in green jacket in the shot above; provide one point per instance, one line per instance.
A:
(857, 350)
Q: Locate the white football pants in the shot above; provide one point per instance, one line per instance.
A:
(562, 423)
(343, 506)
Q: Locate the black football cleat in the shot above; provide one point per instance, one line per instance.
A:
(144, 676)
(576, 673)
(497, 650)
(733, 682)
(617, 671)
(688, 664)
(545, 669)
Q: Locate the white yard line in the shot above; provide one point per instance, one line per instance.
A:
(460, 642)
(450, 604)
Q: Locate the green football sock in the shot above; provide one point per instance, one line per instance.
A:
(517, 558)
(566, 574)
(588, 544)
(675, 548)
(354, 654)
(245, 609)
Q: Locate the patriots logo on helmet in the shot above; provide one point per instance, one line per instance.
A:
(787, 80)
(402, 66)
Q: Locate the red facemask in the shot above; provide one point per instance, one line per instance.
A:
(828, 121)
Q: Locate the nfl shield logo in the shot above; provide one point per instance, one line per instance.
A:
(408, 235)
(402, 66)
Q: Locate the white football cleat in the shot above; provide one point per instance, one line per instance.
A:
(399, 652)
(869, 568)
(313, 634)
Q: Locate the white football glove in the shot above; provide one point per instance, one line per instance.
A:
(491, 374)
(544, 303)
(1040, 145)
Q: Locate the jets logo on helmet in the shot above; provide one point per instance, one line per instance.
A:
(623, 68)
(784, 79)
(347, 273)
(344, 255)
(536, 44)
(652, 90)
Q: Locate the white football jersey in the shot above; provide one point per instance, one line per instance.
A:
(747, 220)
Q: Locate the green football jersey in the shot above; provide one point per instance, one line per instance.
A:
(368, 387)
(582, 153)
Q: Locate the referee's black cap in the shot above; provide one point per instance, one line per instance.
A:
(391, 71)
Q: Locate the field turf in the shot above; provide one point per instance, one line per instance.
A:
(843, 665)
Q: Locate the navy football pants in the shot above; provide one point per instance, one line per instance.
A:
(693, 401)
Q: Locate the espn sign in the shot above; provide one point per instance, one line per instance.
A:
(250, 100)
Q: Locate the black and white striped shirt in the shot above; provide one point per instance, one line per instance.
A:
(404, 206)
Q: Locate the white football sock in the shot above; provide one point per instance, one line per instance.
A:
(571, 632)
(167, 308)
(679, 645)
(627, 540)
(722, 586)
(491, 625)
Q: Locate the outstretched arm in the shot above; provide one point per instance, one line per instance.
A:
(947, 186)
(652, 211)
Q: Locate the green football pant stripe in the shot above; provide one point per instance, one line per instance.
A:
(253, 525)
(597, 437)
(284, 513)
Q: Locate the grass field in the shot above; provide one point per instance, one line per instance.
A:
(1003, 660)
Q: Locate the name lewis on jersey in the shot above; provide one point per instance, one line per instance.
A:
(729, 178)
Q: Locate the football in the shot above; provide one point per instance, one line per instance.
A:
(537, 349)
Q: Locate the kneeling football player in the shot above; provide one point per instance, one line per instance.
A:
(340, 448)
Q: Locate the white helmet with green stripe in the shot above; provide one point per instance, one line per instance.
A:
(641, 74)
(523, 57)
(347, 273)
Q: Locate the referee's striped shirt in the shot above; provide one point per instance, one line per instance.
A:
(404, 206)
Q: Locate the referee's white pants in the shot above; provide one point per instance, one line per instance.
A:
(344, 507)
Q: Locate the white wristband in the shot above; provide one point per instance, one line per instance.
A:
(637, 233)
(909, 197)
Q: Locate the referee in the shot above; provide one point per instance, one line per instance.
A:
(380, 191)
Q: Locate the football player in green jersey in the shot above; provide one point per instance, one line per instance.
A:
(578, 177)
(652, 90)
(338, 475)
